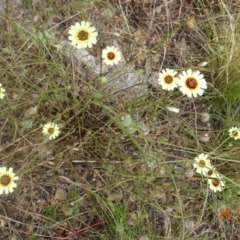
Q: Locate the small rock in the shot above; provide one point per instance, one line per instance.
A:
(60, 194)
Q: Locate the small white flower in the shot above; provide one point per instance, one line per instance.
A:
(234, 132)
(51, 130)
(202, 164)
(168, 80)
(82, 35)
(2, 91)
(7, 178)
(111, 55)
(211, 173)
(216, 183)
(192, 83)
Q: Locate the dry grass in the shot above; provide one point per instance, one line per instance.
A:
(102, 178)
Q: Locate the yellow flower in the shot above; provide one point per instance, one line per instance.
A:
(7, 178)
(234, 132)
(2, 92)
(111, 55)
(202, 164)
(192, 83)
(168, 80)
(82, 35)
(51, 130)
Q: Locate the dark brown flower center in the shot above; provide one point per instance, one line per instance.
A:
(202, 163)
(210, 172)
(235, 133)
(110, 55)
(191, 83)
(168, 79)
(215, 182)
(83, 35)
(5, 180)
(50, 130)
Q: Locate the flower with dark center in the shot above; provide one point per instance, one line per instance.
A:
(234, 132)
(202, 164)
(111, 55)
(51, 130)
(167, 79)
(192, 83)
(7, 180)
(82, 35)
(216, 183)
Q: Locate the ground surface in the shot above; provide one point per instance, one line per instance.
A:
(101, 179)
